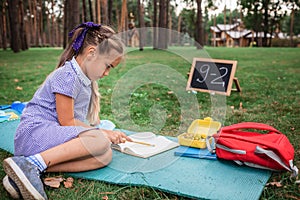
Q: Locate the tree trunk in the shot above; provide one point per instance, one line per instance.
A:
(48, 35)
(37, 20)
(271, 33)
(170, 38)
(34, 23)
(98, 11)
(162, 23)
(84, 18)
(123, 25)
(91, 10)
(109, 10)
(57, 34)
(38, 11)
(155, 24)
(266, 23)
(179, 29)
(198, 34)
(4, 32)
(24, 45)
(52, 25)
(13, 8)
(104, 11)
(292, 27)
(30, 20)
(41, 30)
(65, 31)
(73, 19)
(118, 18)
(140, 11)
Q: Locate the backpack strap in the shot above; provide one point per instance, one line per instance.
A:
(275, 157)
(272, 155)
(250, 125)
(210, 144)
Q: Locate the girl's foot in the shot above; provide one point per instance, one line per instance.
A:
(26, 176)
(11, 187)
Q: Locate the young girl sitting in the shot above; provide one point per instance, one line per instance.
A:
(57, 128)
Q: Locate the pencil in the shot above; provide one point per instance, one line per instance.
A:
(144, 143)
(138, 142)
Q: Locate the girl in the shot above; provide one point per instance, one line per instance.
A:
(57, 131)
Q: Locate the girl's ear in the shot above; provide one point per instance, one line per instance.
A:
(91, 51)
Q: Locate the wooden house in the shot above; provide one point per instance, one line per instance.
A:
(233, 35)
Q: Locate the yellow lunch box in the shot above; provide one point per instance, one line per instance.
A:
(198, 131)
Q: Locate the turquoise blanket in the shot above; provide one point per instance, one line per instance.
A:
(189, 177)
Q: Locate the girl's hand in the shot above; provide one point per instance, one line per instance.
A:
(116, 137)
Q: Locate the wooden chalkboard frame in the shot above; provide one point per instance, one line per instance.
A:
(214, 62)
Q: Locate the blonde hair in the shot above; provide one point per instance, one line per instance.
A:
(106, 40)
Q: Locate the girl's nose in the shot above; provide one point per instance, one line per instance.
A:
(106, 73)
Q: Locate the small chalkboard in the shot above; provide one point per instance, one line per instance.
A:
(212, 75)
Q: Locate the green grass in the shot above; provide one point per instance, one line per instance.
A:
(269, 77)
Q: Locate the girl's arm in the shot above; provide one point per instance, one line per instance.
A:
(65, 111)
(65, 114)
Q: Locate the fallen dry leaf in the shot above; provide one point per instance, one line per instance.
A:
(53, 182)
(19, 88)
(16, 80)
(170, 92)
(275, 183)
(105, 197)
(69, 182)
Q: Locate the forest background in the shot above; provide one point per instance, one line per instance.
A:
(46, 23)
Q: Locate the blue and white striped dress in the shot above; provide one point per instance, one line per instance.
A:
(39, 128)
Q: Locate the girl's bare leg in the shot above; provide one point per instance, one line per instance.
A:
(83, 164)
(90, 150)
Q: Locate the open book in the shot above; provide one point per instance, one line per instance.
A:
(145, 144)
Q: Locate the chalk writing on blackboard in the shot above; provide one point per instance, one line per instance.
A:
(212, 75)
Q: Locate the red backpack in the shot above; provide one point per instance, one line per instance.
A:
(268, 151)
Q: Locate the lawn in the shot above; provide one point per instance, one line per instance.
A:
(269, 78)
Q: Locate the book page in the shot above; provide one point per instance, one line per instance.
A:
(122, 146)
(160, 144)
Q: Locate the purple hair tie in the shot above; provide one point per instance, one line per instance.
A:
(79, 40)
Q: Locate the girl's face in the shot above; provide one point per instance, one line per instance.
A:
(98, 66)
